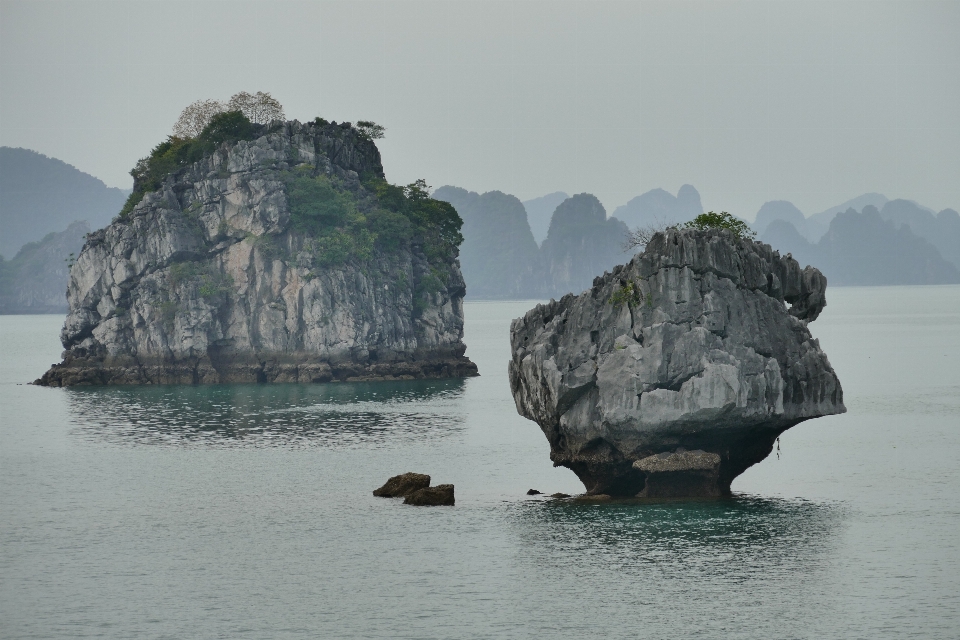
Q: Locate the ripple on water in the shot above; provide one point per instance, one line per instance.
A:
(288, 415)
(734, 538)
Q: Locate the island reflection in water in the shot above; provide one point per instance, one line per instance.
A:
(280, 415)
(739, 538)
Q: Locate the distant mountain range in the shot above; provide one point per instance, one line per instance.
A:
(861, 248)
(868, 240)
(500, 258)
(41, 195)
(874, 241)
(657, 208)
(540, 211)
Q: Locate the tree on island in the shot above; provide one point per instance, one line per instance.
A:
(195, 117)
(258, 108)
(370, 130)
(639, 237)
(722, 220)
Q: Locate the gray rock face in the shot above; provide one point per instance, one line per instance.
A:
(691, 345)
(208, 281)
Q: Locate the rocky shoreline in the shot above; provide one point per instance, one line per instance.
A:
(84, 372)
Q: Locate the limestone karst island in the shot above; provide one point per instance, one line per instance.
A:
(676, 372)
(278, 252)
(267, 253)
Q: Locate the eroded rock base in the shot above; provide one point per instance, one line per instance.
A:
(681, 474)
(92, 372)
(702, 472)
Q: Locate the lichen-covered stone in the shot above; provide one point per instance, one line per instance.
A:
(699, 343)
(207, 281)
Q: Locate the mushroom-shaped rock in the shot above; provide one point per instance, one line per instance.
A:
(677, 371)
(403, 485)
(440, 495)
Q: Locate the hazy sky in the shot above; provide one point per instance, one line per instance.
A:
(812, 102)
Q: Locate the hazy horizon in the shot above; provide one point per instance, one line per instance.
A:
(814, 103)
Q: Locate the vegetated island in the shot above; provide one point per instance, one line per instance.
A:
(267, 253)
(676, 372)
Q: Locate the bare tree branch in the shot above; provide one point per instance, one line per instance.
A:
(259, 108)
(195, 117)
(639, 237)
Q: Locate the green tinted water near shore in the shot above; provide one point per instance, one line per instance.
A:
(245, 511)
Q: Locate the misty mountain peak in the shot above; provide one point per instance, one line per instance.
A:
(659, 207)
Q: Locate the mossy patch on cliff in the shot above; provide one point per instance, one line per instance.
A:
(341, 224)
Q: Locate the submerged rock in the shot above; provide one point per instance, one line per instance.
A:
(677, 371)
(533, 492)
(440, 495)
(283, 258)
(403, 485)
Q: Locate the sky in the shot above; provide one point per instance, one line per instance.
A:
(811, 102)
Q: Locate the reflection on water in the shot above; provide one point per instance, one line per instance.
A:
(340, 414)
(735, 538)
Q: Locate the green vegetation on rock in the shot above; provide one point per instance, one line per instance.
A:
(628, 294)
(437, 222)
(339, 226)
(209, 281)
(175, 153)
(722, 220)
(370, 130)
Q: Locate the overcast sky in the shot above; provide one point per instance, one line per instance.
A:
(812, 102)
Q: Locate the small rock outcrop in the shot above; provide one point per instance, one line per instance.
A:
(438, 496)
(403, 485)
(675, 372)
(285, 257)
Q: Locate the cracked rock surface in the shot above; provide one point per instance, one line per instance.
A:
(699, 344)
(206, 281)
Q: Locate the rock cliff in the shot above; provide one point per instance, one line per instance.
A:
(677, 371)
(281, 258)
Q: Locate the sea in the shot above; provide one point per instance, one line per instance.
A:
(244, 511)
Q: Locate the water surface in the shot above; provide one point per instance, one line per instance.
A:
(245, 511)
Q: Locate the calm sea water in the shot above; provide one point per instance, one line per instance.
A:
(246, 512)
